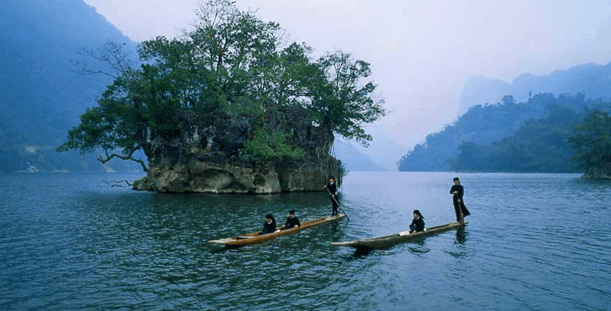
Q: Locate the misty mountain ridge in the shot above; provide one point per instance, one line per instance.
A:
(590, 79)
(531, 136)
(42, 94)
(352, 159)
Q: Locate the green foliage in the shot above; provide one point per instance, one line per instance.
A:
(341, 100)
(506, 137)
(273, 145)
(341, 173)
(231, 64)
(592, 141)
(539, 145)
(238, 51)
(112, 125)
(480, 125)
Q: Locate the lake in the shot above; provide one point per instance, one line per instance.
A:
(533, 242)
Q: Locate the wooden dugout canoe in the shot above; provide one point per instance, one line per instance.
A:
(256, 237)
(390, 240)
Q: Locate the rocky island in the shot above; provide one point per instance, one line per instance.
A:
(229, 107)
(210, 159)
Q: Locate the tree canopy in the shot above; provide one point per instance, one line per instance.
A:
(592, 142)
(539, 145)
(232, 63)
(541, 135)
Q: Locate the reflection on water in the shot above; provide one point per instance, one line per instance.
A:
(72, 242)
(461, 235)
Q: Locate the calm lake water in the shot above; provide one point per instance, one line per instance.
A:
(533, 242)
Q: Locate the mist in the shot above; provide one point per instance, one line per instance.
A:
(421, 53)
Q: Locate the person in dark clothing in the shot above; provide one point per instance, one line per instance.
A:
(332, 188)
(417, 223)
(458, 191)
(292, 220)
(269, 226)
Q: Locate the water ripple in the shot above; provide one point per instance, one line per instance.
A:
(534, 242)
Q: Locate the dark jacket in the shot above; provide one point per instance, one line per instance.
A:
(417, 225)
(333, 195)
(332, 188)
(269, 228)
(461, 192)
(291, 222)
(458, 207)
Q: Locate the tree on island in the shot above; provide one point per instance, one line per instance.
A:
(232, 65)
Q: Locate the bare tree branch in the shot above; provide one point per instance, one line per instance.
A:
(124, 157)
(111, 55)
(116, 183)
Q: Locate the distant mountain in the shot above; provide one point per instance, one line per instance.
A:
(352, 159)
(531, 136)
(590, 79)
(382, 150)
(41, 93)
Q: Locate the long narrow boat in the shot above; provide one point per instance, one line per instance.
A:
(390, 240)
(256, 237)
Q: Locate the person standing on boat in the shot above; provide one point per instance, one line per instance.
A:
(417, 223)
(458, 191)
(269, 226)
(332, 188)
(292, 220)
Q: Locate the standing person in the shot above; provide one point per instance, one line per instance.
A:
(417, 223)
(269, 226)
(292, 221)
(458, 191)
(332, 187)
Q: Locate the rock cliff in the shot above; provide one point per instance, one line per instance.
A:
(209, 157)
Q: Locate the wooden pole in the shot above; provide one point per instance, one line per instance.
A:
(461, 217)
(338, 204)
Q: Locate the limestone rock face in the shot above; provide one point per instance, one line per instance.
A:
(209, 158)
(226, 178)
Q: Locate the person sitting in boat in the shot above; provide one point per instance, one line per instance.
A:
(269, 226)
(417, 223)
(292, 220)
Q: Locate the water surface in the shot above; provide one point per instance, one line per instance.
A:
(533, 242)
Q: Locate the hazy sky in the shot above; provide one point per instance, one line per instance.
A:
(421, 52)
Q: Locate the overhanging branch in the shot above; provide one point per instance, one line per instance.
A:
(124, 157)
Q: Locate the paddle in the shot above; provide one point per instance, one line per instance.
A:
(338, 204)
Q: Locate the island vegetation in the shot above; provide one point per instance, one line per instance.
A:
(230, 106)
(268, 106)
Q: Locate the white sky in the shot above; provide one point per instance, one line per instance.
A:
(421, 51)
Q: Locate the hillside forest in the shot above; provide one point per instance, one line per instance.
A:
(547, 133)
(42, 96)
